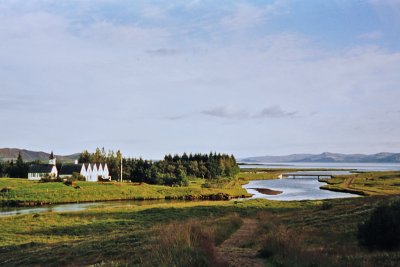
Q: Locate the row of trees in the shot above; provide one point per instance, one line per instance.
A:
(112, 159)
(172, 170)
(175, 170)
(17, 169)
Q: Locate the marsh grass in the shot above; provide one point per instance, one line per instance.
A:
(24, 191)
(321, 237)
(192, 242)
(369, 183)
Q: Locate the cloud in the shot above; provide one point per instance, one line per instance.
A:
(374, 35)
(232, 112)
(275, 112)
(229, 112)
(177, 117)
(163, 52)
(247, 15)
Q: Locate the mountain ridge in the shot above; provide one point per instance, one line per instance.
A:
(29, 155)
(382, 157)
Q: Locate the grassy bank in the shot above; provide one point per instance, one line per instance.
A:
(22, 191)
(298, 233)
(368, 184)
(120, 235)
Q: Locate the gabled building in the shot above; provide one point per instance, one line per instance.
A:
(39, 171)
(67, 170)
(91, 172)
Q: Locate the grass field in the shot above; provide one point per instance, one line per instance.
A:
(308, 231)
(32, 192)
(292, 233)
(369, 184)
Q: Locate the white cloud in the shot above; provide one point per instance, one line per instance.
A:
(275, 112)
(247, 15)
(50, 64)
(374, 35)
(229, 112)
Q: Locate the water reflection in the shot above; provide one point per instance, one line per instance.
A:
(294, 189)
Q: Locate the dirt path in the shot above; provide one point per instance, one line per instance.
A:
(234, 251)
(349, 182)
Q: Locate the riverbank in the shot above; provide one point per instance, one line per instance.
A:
(21, 192)
(366, 184)
(188, 233)
(267, 191)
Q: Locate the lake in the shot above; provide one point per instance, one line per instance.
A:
(328, 165)
(294, 189)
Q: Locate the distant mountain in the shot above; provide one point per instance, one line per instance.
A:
(27, 155)
(327, 157)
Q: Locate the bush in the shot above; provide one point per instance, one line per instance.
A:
(50, 179)
(326, 205)
(184, 244)
(382, 229)
(76, 176)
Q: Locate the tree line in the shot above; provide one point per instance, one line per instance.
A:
(175, 170)
(17, 169)
(172, 170)
(113, 160)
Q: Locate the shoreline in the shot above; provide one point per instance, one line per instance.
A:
(213, 197)
(267, 191)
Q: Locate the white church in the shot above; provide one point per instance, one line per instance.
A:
(91, 172)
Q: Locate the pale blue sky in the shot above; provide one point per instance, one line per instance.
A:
(242, 77)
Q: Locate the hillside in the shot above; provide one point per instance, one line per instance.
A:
(328, 157)
(27, 155)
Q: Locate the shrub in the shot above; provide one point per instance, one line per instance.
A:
(5, 190)
(48, 179)
(76, 176)
(184, 244)
(326, 205)
(382, 229)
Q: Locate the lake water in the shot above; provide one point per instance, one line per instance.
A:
(294, 189)
(320, 165)
(307, 188)
(10, 211)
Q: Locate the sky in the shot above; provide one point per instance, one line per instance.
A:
(243, 77)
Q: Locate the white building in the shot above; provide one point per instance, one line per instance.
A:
(91, 172)
(39, 171)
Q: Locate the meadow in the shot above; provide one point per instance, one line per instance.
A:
(368, 184)
(189, 233)
(308, 233)
(23, 192)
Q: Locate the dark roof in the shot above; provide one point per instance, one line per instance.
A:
(40, 168)
(68, 169)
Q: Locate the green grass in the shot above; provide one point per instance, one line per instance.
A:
(369, 184)
(294, 233)
(120, 235)
(116, 234)
(22, 190)
(322, 236)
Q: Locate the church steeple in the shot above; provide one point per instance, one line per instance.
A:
(52, 159)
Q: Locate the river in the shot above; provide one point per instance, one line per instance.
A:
(294, 189)
(307, 188)
(10, 211)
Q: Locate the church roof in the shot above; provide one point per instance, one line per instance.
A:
(40, 168)
(68, 169)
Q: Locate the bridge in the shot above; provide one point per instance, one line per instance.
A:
(302, 175)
